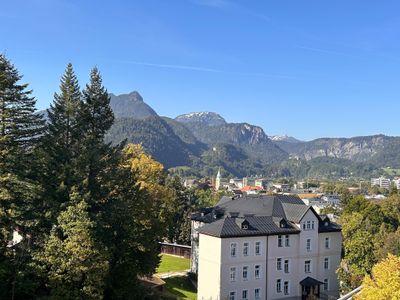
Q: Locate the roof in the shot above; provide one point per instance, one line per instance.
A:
(309, 281)
(257, 226)
(266, 215)
(250, 188)
(308, 195)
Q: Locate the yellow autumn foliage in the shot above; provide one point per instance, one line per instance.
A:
(150, 176)
(384, 282)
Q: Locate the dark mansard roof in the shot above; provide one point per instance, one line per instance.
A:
(256, 215)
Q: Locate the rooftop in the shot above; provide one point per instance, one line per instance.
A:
(255, 215)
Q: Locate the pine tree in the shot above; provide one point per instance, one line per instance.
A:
(20, 130)
(96, 118)
(179, 227)
(20, 127)
(62, 143)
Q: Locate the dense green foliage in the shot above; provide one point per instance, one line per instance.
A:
(79, 218)
(370, 233)
(20, 131)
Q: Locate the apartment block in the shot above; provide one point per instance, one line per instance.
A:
(264, 247)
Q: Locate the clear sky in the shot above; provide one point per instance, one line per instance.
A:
(303, 68)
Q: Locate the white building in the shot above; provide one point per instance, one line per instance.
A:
(396, 182)
(382, 182)
(264, 247)
(331, 199)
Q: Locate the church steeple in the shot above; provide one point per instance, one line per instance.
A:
(218, 180)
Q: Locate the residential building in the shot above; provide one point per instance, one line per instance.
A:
(263, 183)
(251, 190)
(264, 247)
(331, 199)
(237, 182)
(381, 182)
(396, 182)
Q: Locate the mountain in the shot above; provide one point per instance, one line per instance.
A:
(201, 142)
(250, 138)
(284, 138)
(157, 138)
(359, 149)
(130, 106)
(202, 118)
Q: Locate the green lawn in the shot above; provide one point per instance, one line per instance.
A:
(180, 287)
(392, 172)
(171, 263)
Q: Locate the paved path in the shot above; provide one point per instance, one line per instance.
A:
(172, 274)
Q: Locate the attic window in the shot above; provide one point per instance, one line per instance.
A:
(245, 226)
(282, 224)
(326, 223)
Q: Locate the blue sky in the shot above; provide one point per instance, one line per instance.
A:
(303, 68)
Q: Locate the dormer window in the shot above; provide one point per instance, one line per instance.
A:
(282, 223)
(245, 225)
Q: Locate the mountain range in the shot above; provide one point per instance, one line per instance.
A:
(198, 143)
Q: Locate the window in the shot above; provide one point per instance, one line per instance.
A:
(233, 274)
(327, 243)
(245, 249)
(280, 241)
(307, 266)
(257, 271)
(233, 250)
(287, 244)
(245, 294)
(304, 226)
(232, 295)
(286, 266)
(279, 264)
(257, 294)
(312, 225)
(326, 263)
(326, 284)
(286, 287)
(279, 286)
(258, 248)
(308, 246)
(245, 273)
(308, 225)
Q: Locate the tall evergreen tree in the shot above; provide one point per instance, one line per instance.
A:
(20, 129)
(96, 118)
(62, 142)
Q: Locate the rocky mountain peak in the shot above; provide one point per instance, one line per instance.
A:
(130, 105)
(284, 138)
(204, 118)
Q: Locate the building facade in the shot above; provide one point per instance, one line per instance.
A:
(381, 182)
(265, 247)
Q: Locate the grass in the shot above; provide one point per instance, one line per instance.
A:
(392, 172)
(171, 263)
(180, 287)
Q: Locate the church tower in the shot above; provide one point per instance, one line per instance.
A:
(218, 180)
